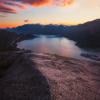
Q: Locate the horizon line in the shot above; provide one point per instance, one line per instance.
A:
(49, 24)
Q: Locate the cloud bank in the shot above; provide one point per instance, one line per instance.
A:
(7, 6)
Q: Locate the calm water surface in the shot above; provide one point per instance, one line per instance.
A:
(50, 44)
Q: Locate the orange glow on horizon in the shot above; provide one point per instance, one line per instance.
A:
(11, 25)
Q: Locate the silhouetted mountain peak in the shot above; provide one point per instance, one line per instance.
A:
(87, 34)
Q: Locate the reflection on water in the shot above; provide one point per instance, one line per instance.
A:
(54, 45)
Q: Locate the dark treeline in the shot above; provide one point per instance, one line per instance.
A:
(7, 40)
(7, 44)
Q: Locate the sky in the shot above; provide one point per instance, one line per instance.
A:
(68, 12)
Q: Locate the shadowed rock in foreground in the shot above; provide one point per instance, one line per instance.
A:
(22, 81)
(50, 77)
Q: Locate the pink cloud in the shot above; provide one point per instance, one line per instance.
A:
(7, 6)
(5, 9)
(37, 2)
(47, 2)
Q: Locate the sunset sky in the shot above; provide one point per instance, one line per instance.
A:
(67, 12)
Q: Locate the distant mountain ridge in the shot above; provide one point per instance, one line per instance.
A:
(85, 35)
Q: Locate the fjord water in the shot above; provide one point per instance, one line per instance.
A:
(50, 44)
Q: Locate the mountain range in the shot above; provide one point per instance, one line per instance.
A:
(86, 35)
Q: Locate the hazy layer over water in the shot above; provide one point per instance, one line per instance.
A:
(50, 44)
